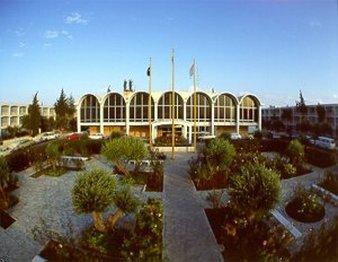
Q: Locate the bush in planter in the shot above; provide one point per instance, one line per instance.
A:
(121, 150)
(93, 192)
(4, 179)
(330, 182)
(145, 243)
(305, 206)
(295, 152)
(115, 134)
(283, 166)
(254, 191)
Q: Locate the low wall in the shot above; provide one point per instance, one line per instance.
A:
(177, 149)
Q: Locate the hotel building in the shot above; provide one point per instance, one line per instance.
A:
(11, 115)
(331, 115)
(128, 113)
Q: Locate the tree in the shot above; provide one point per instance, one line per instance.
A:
(121, 150)
(61, 110)
(301, 108)
(220, 153)
(93, 192)
(125, 202)
(321, 113)
(34, 116)
(254, 191)
(296, 153)
(4, 179)
(287, 115)
(53, 153)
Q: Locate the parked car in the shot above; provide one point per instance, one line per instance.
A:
(48, 136)
(24, 142)
(235, 136)
(5, 150)
(74, 136)
(96, 136)
(324, 142)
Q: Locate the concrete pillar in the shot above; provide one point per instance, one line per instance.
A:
(212, 118)
(185, 110)
(127, 118)
(237, 118)
(101, 119)
(190, 134)
(153, 133)
(155, 110)
(184, 131)
(259, 118)
(78, 117)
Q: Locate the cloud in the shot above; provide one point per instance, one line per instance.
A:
(47, 44)
(18, 55)
(50, 34)
(315, 23)
(76, 18)
(19, 32)
(22, 44)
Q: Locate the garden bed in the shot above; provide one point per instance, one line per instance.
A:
(154, 183)
(5, 219)
(294, 209)
(13, 200)
(218, 181)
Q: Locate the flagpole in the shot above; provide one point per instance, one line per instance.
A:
(195, 107)
(173, 105)
(149, 104)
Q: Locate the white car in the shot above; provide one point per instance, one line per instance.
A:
(5, 150)
(235, 136)
(24, 142)
(96, 136)
(325, 142)
(48, 136)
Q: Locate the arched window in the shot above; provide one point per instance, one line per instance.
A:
(165, 106)
(90, 110)
(114, 109)
(203, 107)
(248, 110)
(139, 107)
(225, 109)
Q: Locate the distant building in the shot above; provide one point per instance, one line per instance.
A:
(128, 113)
(276, 113)
(11, 115)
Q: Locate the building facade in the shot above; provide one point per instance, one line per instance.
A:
(331, 115)
(128, 113)
(11, 115)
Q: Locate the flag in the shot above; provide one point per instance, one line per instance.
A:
(192, 70)
(148, 71)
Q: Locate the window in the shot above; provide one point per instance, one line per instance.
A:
(114, 109)
(225, 109)
(248, 110)
(139, 107)
(165, 106)
(203, 107)
(90, 110)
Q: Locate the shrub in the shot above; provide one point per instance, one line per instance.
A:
(295, 152)
(115, 134)
(305, 206)
(283, 166)
(319, 157)
(121, 150)
(93, 146)
(255, 191)
(4, 180)
(145, 244)
(220, 153)
(247, 146)
(276, 145)
(225, 136)
(93, 192)
(330, 182)
(215, 197)
(53, 153)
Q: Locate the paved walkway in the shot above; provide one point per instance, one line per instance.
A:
(187, 233)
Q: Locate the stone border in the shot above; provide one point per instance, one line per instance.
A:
(325, 193)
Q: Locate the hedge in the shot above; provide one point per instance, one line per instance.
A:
(277, 145)
(319, 157)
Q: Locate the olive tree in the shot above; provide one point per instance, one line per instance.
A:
(121, 150)
(295, 152)
(220, 153)
(254, 191)
(4, 179)
(125, 202)
(93, 192)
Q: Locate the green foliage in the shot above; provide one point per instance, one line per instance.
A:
(225, 136)
(255, 190)
(121, 150)
(283, 166)
(308, 201)
(295, 152)
(53, 153)
(65, 110)
(215, 198)
(115, 134)
(287, 114)
(321, 113)
(124, 199)
(34, 116)
(93, 191)
(4, 173)
(220, 153)
(300, 105)
(145, 243)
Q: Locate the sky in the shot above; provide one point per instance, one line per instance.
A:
(271, 48)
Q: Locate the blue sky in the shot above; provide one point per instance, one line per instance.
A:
(271, 48)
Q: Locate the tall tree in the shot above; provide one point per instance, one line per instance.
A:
(61, 110)
(34, 116)
(321, 113)
(301, 108)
